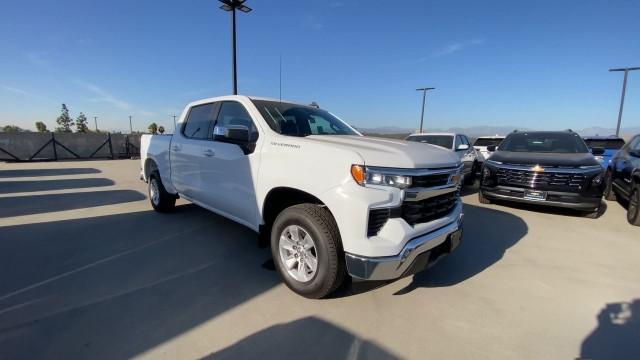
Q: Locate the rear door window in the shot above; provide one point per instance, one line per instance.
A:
(199, 121)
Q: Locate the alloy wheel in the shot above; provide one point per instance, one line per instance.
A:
(298, 253)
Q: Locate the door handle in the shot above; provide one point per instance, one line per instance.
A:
(176, 148)
(209, 153)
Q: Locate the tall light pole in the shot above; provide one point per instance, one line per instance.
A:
(624, 90)
(130, 125)
(231, 6)
(174, 124)
(424, 99)
(95, 120)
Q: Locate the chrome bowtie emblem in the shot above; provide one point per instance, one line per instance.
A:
(537, 168)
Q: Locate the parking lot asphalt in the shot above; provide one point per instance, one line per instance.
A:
(88, 270)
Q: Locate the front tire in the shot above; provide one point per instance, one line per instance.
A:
(608, 187)
(471, 178)
(161, 200)
(307, 250)
(483, 199)
(633, 212)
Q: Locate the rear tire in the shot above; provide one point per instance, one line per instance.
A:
(633, 211)
(308, 230)
(482, 199)
(593, 214)
(161, 200)
(609, 194)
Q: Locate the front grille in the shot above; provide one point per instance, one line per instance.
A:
(549, 179)
(427, 181)
(416, 212)
(377, 219)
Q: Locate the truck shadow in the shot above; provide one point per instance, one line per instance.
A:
(116, 286)
(488, 234)
(617, 335)
(309, 337)
(47, 172)
(39, 204)
(18, 186)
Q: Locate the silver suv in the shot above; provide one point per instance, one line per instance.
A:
(457, 143)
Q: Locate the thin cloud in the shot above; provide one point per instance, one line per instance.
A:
(457, 46)
(37, 58)
(146, 113)
(14, 90)
(104, 96)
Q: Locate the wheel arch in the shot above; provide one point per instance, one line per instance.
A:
(280, 198)
(150, 165)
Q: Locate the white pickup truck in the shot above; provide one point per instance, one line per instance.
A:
(329, 201)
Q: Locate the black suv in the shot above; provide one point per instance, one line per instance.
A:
(623, 178)
(544, 167)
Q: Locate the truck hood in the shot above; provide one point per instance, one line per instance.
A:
(390, 152)
(544, 159)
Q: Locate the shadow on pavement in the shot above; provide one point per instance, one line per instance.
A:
(119, 285)
(309, 337)
(488, 233)
(617, 335)
(39, 204)
(7, 187)
(47, 172)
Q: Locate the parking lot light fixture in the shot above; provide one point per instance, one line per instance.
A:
(424, 99)
(624, 89)
(232, 6)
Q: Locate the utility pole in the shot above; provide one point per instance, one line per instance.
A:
(174, 124)
(231, 6)
(130, 125)
(424, 99)
(624, 90)
(95, 120)
(280, 77)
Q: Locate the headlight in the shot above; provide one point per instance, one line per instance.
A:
(364, 176)
(599, 158)
(486, 173)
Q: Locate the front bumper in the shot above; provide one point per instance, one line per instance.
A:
(570, 200)
(418, 254)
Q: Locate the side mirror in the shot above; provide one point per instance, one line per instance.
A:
(236, 134)
(491, 148)
(462, 147)
(635, 153)
(597, 151)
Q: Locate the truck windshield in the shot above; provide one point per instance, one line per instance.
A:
(544, 142)
(609, 144)
(299, 120)
(445, 141)
(487, 142)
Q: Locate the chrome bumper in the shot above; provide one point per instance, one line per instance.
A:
(418, 254)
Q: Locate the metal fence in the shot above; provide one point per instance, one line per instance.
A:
(64, 146)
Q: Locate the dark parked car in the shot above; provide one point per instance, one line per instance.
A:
(623, 178)
(610, 144)
(552, 168)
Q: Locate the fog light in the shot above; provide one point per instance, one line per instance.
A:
(598, 179)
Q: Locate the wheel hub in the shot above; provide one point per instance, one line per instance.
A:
(298, 253)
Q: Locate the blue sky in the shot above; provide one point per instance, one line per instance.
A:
(536, 64)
